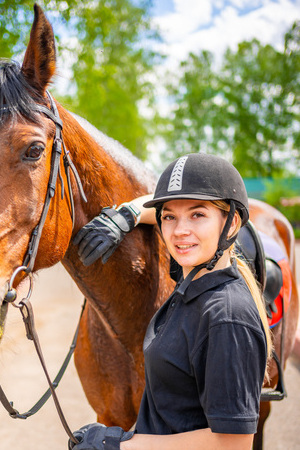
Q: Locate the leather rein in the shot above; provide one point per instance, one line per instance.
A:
(24, 305)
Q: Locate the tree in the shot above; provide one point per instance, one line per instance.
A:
(16, 18)
(110, 67)
(194, 99)
(247, 111)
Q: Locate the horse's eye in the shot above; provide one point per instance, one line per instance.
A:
(34, 152)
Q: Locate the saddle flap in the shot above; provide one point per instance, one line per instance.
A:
(274, 281)
(250, 246)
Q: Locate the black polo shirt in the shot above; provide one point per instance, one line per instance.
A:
(205, 357)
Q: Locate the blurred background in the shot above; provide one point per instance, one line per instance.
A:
(168, 77)
(164, 78)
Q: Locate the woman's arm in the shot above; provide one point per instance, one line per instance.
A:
(147, 214)
(192, 440)
(103, 234)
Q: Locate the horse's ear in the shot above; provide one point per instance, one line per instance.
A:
(40, 58)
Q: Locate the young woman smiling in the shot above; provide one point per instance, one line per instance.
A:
(207, 347)
(186, 226)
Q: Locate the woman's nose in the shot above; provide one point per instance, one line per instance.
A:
(182, 228)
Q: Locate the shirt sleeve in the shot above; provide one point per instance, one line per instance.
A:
(234, 358)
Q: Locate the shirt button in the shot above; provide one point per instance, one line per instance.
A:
(172, 304)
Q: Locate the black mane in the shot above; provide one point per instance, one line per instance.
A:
(17, 97)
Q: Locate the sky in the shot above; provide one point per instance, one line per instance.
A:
(214, 25)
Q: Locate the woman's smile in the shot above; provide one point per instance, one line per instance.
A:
(184, 248)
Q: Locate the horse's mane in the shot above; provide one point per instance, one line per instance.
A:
(120, 154)
(17, 97)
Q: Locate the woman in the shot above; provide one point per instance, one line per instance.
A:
(207, 347)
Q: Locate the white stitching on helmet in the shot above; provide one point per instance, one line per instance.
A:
(175, 182)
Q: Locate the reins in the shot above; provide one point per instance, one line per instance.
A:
(14, 413)
(26, 310)
(24, 305)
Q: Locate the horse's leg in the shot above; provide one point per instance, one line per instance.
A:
(265, 408)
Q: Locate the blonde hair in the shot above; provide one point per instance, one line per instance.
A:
(249, 278)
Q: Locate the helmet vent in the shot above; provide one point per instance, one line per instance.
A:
(175, 183)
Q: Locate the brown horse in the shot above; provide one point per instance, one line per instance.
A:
(123, 294)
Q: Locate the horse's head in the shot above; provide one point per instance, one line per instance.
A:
(26, 141)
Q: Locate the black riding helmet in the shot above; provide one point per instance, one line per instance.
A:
(203, 177)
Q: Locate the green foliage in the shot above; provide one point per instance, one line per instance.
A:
(248, 110)
(14, 26)
(16, 17)
(297, 233)
(195, 108)
(111, 68)
(101, 41)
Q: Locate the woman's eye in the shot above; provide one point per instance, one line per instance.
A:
(167, 217)
(196, 215)
(34, 152)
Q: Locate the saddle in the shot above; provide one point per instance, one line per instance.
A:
(271, 269)
(265, 269)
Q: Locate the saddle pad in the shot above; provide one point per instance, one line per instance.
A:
(275, 252)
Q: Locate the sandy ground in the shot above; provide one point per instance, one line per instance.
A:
(57, 304)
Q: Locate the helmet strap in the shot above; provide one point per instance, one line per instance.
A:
(182, 287)
(224, 242)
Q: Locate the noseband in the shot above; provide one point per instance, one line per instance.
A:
(25, 306)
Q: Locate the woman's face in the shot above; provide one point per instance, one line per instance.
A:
(191, 230)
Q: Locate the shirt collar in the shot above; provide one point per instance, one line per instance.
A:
(210, 281)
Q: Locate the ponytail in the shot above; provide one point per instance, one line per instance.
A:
(250, 280)
(255, 291)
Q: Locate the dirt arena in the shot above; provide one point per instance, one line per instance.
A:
(57, 304)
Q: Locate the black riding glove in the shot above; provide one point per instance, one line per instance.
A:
(102, 235)
(99, 437)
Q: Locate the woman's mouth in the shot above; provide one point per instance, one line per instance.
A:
(184, 247)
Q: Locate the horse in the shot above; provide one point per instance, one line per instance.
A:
(123, 294)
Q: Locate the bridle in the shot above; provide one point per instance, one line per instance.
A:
(24, 305)
(58, 147)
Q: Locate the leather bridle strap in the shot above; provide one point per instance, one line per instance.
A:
(14, 413)
(29, 260)
(57, 149)
(28, 318)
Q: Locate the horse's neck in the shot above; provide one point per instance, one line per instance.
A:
(116, 290)
(106, 182)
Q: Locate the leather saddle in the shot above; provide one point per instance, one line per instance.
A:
(267, 272)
